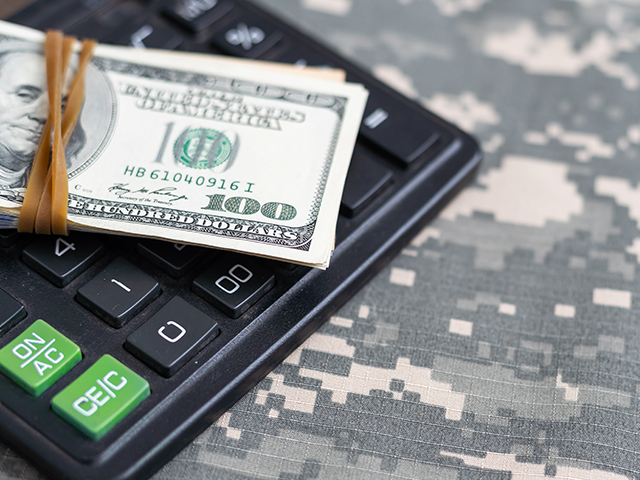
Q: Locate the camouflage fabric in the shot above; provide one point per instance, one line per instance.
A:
(505, 341)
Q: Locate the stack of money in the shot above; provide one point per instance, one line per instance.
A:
(189, 148)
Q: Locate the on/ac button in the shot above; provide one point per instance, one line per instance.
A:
(38, 357)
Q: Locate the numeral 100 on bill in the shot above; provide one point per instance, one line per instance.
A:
(249, 206)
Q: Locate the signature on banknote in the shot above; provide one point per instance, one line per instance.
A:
(167, 194)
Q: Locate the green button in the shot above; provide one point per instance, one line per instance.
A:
(101, 397)
(39, 357)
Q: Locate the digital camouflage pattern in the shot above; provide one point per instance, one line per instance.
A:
(505, 341)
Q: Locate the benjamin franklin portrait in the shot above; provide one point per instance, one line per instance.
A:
(24, 107)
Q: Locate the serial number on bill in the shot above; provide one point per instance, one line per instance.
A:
(179, 177)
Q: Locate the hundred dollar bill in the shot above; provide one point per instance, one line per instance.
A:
(189, 149)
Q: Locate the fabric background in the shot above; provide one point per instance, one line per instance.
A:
(504, 342)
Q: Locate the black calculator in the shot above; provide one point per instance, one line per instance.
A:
(116, 352)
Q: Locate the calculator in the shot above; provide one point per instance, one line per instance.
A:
(116, 352)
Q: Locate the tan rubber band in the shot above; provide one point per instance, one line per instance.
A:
(37, 180)
(53, 49)
(76, 93)
(47, 195)
(57, 180)
(40, 167)
(53, 56)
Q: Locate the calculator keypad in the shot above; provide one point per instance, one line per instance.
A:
(234, 284)
(248, 37)
(102, 396)
(197, 15)
(119, 292)
(39, 357)
(61, 259)
(304, 57)
(396, 128)
(176, 259)
(367, 178)
(8, 237)
(11, 311)
(172, 337)
(146, 34)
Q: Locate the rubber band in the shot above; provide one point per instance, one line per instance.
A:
(54, 57)
(46, 198)
(57, 181)
(40, 167)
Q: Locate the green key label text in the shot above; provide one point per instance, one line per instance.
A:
(101, 397)
(97, 395)
(39, 357)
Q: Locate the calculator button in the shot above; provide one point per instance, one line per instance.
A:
(172, 337)
(146, 34)
(102, 396)
(249, 37)
(11, 311)
(365, 180)
(8, 237)
(61, 259)
(396, 128)
(304, 57)
(196, 15)
(38, 357)
(118, 292)
(105, 22)
(287, 266)
(234, 284)
(176, 259)
(61, 15)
